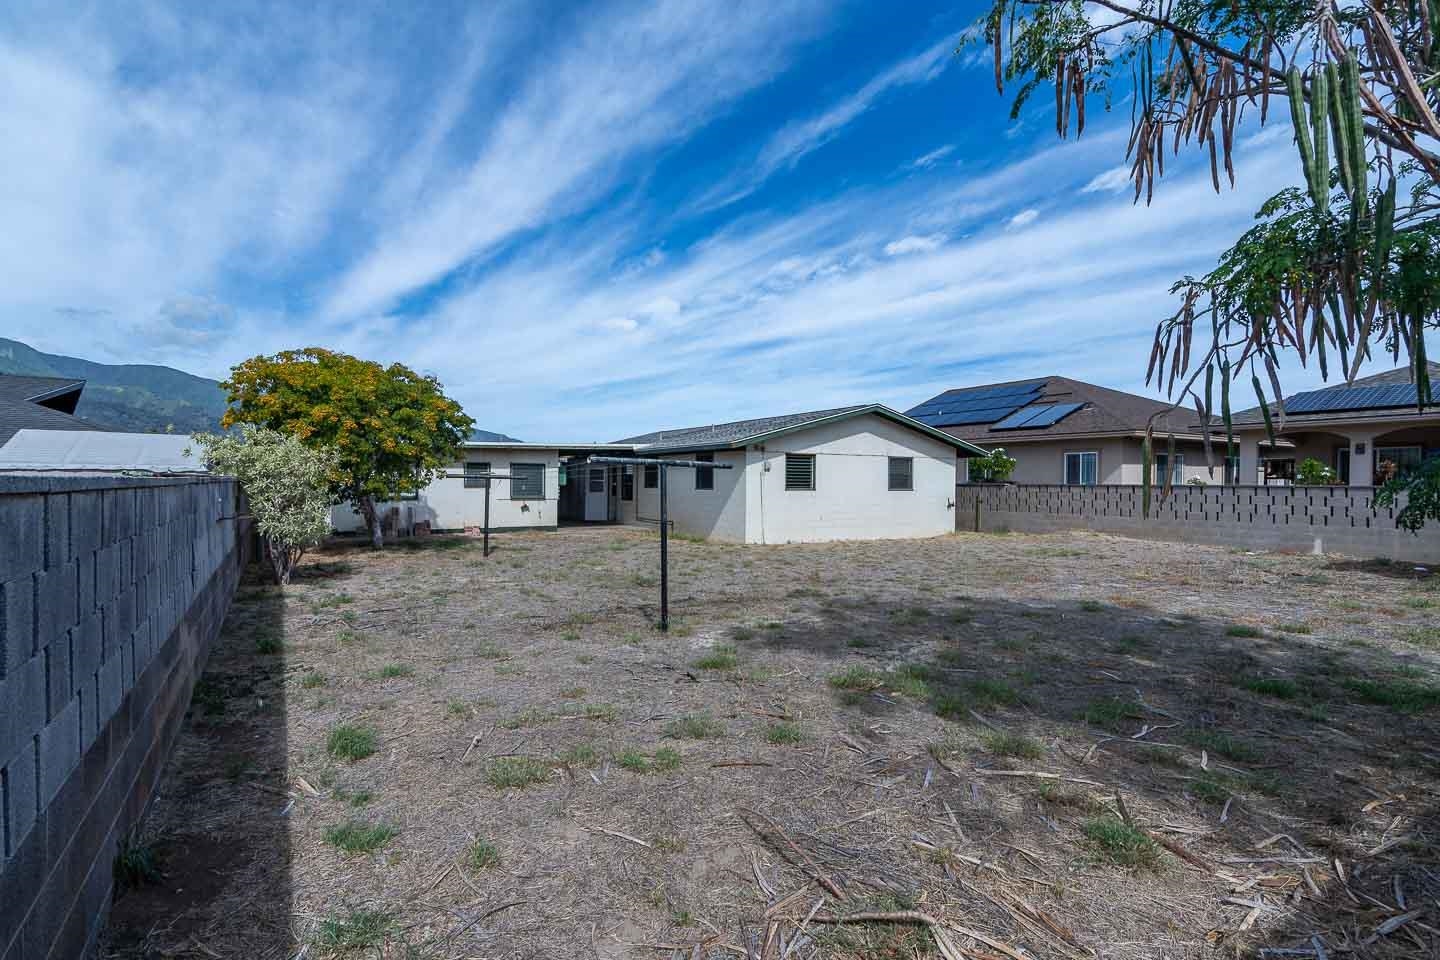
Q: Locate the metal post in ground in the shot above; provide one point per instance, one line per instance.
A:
(664, 554)
(487, 519)
(663, 467)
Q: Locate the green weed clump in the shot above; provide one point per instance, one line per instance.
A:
(350, 742)
(516, 772)
(1120, 843)
(784, 733)
(356, 837)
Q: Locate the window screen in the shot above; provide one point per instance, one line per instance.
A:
(597, 480)
(472, 478)
(902, 473)
(705, 476)
(527, 481)
(627, 483)
(1081, 468)
(652, 476)
(799, 471)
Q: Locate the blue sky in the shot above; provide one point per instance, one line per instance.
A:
(588, 222)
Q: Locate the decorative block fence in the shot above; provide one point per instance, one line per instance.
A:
(1341, 520)
(111, 591)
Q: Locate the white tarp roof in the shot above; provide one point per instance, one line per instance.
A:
(99, 451)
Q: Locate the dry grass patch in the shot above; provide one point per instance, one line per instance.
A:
(590, 776)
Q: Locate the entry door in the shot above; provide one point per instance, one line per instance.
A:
(597, 496)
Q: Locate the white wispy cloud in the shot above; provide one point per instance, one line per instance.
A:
(913, 244)
(927, 160)
(250, 189)
(1024, 217)
(627, 83)
(799, 138)
(774, 304)
(132, 187)
(1114, 179)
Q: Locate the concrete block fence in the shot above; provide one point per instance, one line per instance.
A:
(111, 591)
(1341, 520)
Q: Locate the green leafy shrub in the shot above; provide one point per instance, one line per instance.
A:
(994, 467)
(1312, 471)
(286, 484)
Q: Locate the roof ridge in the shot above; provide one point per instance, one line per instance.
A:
(716, 427)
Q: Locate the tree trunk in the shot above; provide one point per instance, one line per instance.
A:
(372, 521)
(273, 554)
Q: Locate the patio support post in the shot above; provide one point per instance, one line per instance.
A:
(1362, 464)
(1249, 473)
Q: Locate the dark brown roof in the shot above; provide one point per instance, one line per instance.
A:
(1104, 411)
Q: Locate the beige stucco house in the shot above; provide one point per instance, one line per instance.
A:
(859, 472)
(1064, 431)
(1366, 431)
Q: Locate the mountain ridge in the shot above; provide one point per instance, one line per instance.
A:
(135, 397)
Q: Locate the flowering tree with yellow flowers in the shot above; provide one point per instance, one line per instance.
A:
(392, 430)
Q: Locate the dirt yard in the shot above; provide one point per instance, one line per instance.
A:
(976, 746)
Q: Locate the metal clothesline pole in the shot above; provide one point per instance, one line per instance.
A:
(663, 468)
(487, 477)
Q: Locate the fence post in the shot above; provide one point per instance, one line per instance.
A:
(977, 511)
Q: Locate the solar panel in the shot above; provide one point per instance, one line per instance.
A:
(1353, 398)
(1054, 414)
(1037, 416)
(1019, 418)
(970, 417)
(975, 405)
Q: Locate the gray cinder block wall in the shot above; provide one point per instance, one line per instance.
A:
(1342, 520)
(111, 591)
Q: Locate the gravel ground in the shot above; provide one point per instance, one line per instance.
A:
(990, 746)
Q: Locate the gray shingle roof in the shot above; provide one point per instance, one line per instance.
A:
(15, 387)
(724, 434)
(737, 433)
(1400, 375)
(17, 415)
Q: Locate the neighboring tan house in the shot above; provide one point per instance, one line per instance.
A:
(1367, 431)
(39, 403)
(1067, 431)
(860, 472)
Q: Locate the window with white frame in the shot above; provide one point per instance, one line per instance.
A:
(799, 471)
(902, 473)
(1082, 468)
(475, 475)
(597, 479)
(527, 481)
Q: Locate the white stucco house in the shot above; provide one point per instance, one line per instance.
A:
(858, 472)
